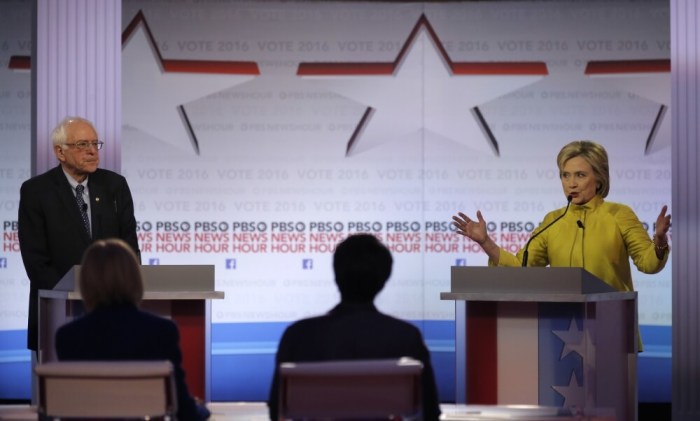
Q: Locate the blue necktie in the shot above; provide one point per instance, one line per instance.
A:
(82, 206)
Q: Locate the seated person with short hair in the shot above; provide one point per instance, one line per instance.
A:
(355, 329)
(114, 328)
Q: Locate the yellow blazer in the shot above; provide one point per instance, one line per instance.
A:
(610, 234)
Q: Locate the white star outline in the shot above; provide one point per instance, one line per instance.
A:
(424, 92)
(153, 97)
(649, 79)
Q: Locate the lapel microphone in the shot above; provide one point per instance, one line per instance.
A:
(568, 203)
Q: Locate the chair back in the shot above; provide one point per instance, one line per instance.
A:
(359, 389)
(107, 389)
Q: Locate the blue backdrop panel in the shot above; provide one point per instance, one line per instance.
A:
(243, 356)
(15, 365)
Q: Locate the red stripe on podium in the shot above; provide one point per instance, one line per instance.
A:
(482, 364)
(190, 320)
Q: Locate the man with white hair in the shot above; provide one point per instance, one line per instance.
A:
(62, 211)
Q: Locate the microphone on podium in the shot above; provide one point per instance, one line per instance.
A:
(568, 203)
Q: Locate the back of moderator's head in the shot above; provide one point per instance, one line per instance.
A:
(362, 265)
(110, 275)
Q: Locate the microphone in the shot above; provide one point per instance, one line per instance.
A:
(568, 203)
(580, 224)
(84, 207)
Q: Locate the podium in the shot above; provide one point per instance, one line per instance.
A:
(544, 336)
(181, 293)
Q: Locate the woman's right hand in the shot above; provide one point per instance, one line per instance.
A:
(474, 230)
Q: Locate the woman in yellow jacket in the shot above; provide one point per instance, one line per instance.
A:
(596, 235)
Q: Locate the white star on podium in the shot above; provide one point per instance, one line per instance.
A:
(573, 394)
(572, 339)
(578, 341)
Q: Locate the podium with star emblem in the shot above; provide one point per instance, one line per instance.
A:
(544, 336)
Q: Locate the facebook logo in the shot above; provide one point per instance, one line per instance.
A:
(230, 263)
(461, 262)
(3, 262)
(154, 261)
(307, 264)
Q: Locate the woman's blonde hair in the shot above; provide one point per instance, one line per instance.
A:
(595, 155)
(110, 275)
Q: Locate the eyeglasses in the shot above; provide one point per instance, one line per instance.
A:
(85, 144)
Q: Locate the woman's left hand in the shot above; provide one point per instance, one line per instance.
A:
(663, 223)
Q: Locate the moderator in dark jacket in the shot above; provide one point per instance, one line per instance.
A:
(51, 235)
(127, 333)
(355, 331)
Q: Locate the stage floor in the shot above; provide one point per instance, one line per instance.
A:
(244, 411)
(221, 411)
(229, 411)
(257, 411)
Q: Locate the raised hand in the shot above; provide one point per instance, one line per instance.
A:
(474, 230)
(663, 223)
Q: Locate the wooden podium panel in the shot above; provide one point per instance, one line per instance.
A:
(544, 336)
(181, 293)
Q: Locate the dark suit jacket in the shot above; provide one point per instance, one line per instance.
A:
(355, 331)
(126, 333)
(51, 235)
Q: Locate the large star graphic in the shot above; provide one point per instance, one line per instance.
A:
(423, 89)
(155, 90)
(650, 79)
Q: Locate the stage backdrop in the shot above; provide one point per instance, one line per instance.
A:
(259, 134)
